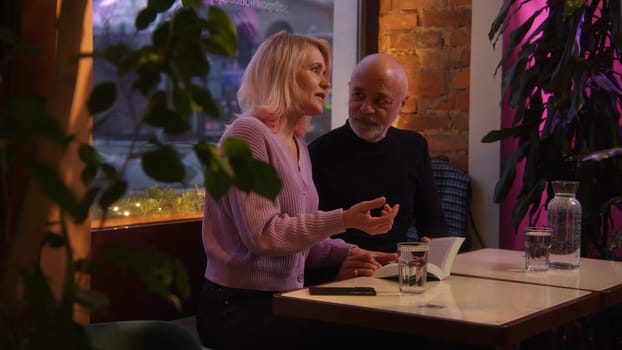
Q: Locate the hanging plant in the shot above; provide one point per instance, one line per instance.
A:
(33, 316)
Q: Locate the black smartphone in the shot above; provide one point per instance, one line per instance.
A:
(342, 291)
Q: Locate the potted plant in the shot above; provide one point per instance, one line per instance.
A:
(561, 78)
(31, 314)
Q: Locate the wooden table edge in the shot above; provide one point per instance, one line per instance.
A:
(460, 331)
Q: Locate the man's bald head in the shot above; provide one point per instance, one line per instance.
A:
(378, 91)
(383, 68)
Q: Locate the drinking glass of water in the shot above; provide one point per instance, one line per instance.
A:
(413, 266)
(537, 248)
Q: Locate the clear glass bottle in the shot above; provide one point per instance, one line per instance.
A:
(564, 217)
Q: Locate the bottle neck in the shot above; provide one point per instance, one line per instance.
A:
(564, 194)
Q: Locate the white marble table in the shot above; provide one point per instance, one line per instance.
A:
(464, 309)
(601, 276)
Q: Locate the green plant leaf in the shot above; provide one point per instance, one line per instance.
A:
(222, 38)
(508, 174)
(570, 6)
(154, 270)
(243, 179)
(53, 240)
(88, 154)
(517, 38)
(160, 38)
(159, 115)
(86, 266)
(212, 159)
(145, 17)
(187, 25)
(112, 194)
(251, 174)
(161, 274)
(53, 186)
(203, 98)
(611, 201)
(525, 200)
(182, 103)
(84, 205)
(116, 53)
(233, 147)
(186, 56)
(88, 173)
(157, 101)
(217, 182)
(496, 135)
(149, 74)
(518, 34)
(133, 59)
(163, 164)
(496, 26)
(102, 97)
(237, 165)
(616, 242)
(160, 5)
(181, 280)
(171, 121)
(92, 300)
(109, 171)
(207, 154)
(193, 3)
(267, 182)
(525, 83)
(189, 62)
(217, 174)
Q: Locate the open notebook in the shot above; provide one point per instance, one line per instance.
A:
(441, 257)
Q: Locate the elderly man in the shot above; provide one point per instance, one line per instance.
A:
(367, 158)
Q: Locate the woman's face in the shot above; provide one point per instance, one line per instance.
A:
(313, 82)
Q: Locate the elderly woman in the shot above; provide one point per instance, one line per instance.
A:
(255, 246)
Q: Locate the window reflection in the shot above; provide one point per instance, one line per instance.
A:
(113, 23)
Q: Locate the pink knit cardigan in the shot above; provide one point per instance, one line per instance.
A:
(254, 243)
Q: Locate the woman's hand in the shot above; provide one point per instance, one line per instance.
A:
(363, 262)
(359, 216)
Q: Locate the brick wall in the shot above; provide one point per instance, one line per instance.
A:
(432, 39)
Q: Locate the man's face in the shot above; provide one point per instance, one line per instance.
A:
(376, 97)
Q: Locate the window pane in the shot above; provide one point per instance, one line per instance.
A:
(113, 22)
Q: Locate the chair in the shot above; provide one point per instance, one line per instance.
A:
(140, 335)
(454, 188)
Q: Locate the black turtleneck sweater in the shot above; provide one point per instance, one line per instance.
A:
(348, 169)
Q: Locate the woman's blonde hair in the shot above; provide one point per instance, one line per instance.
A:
(269, 89)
